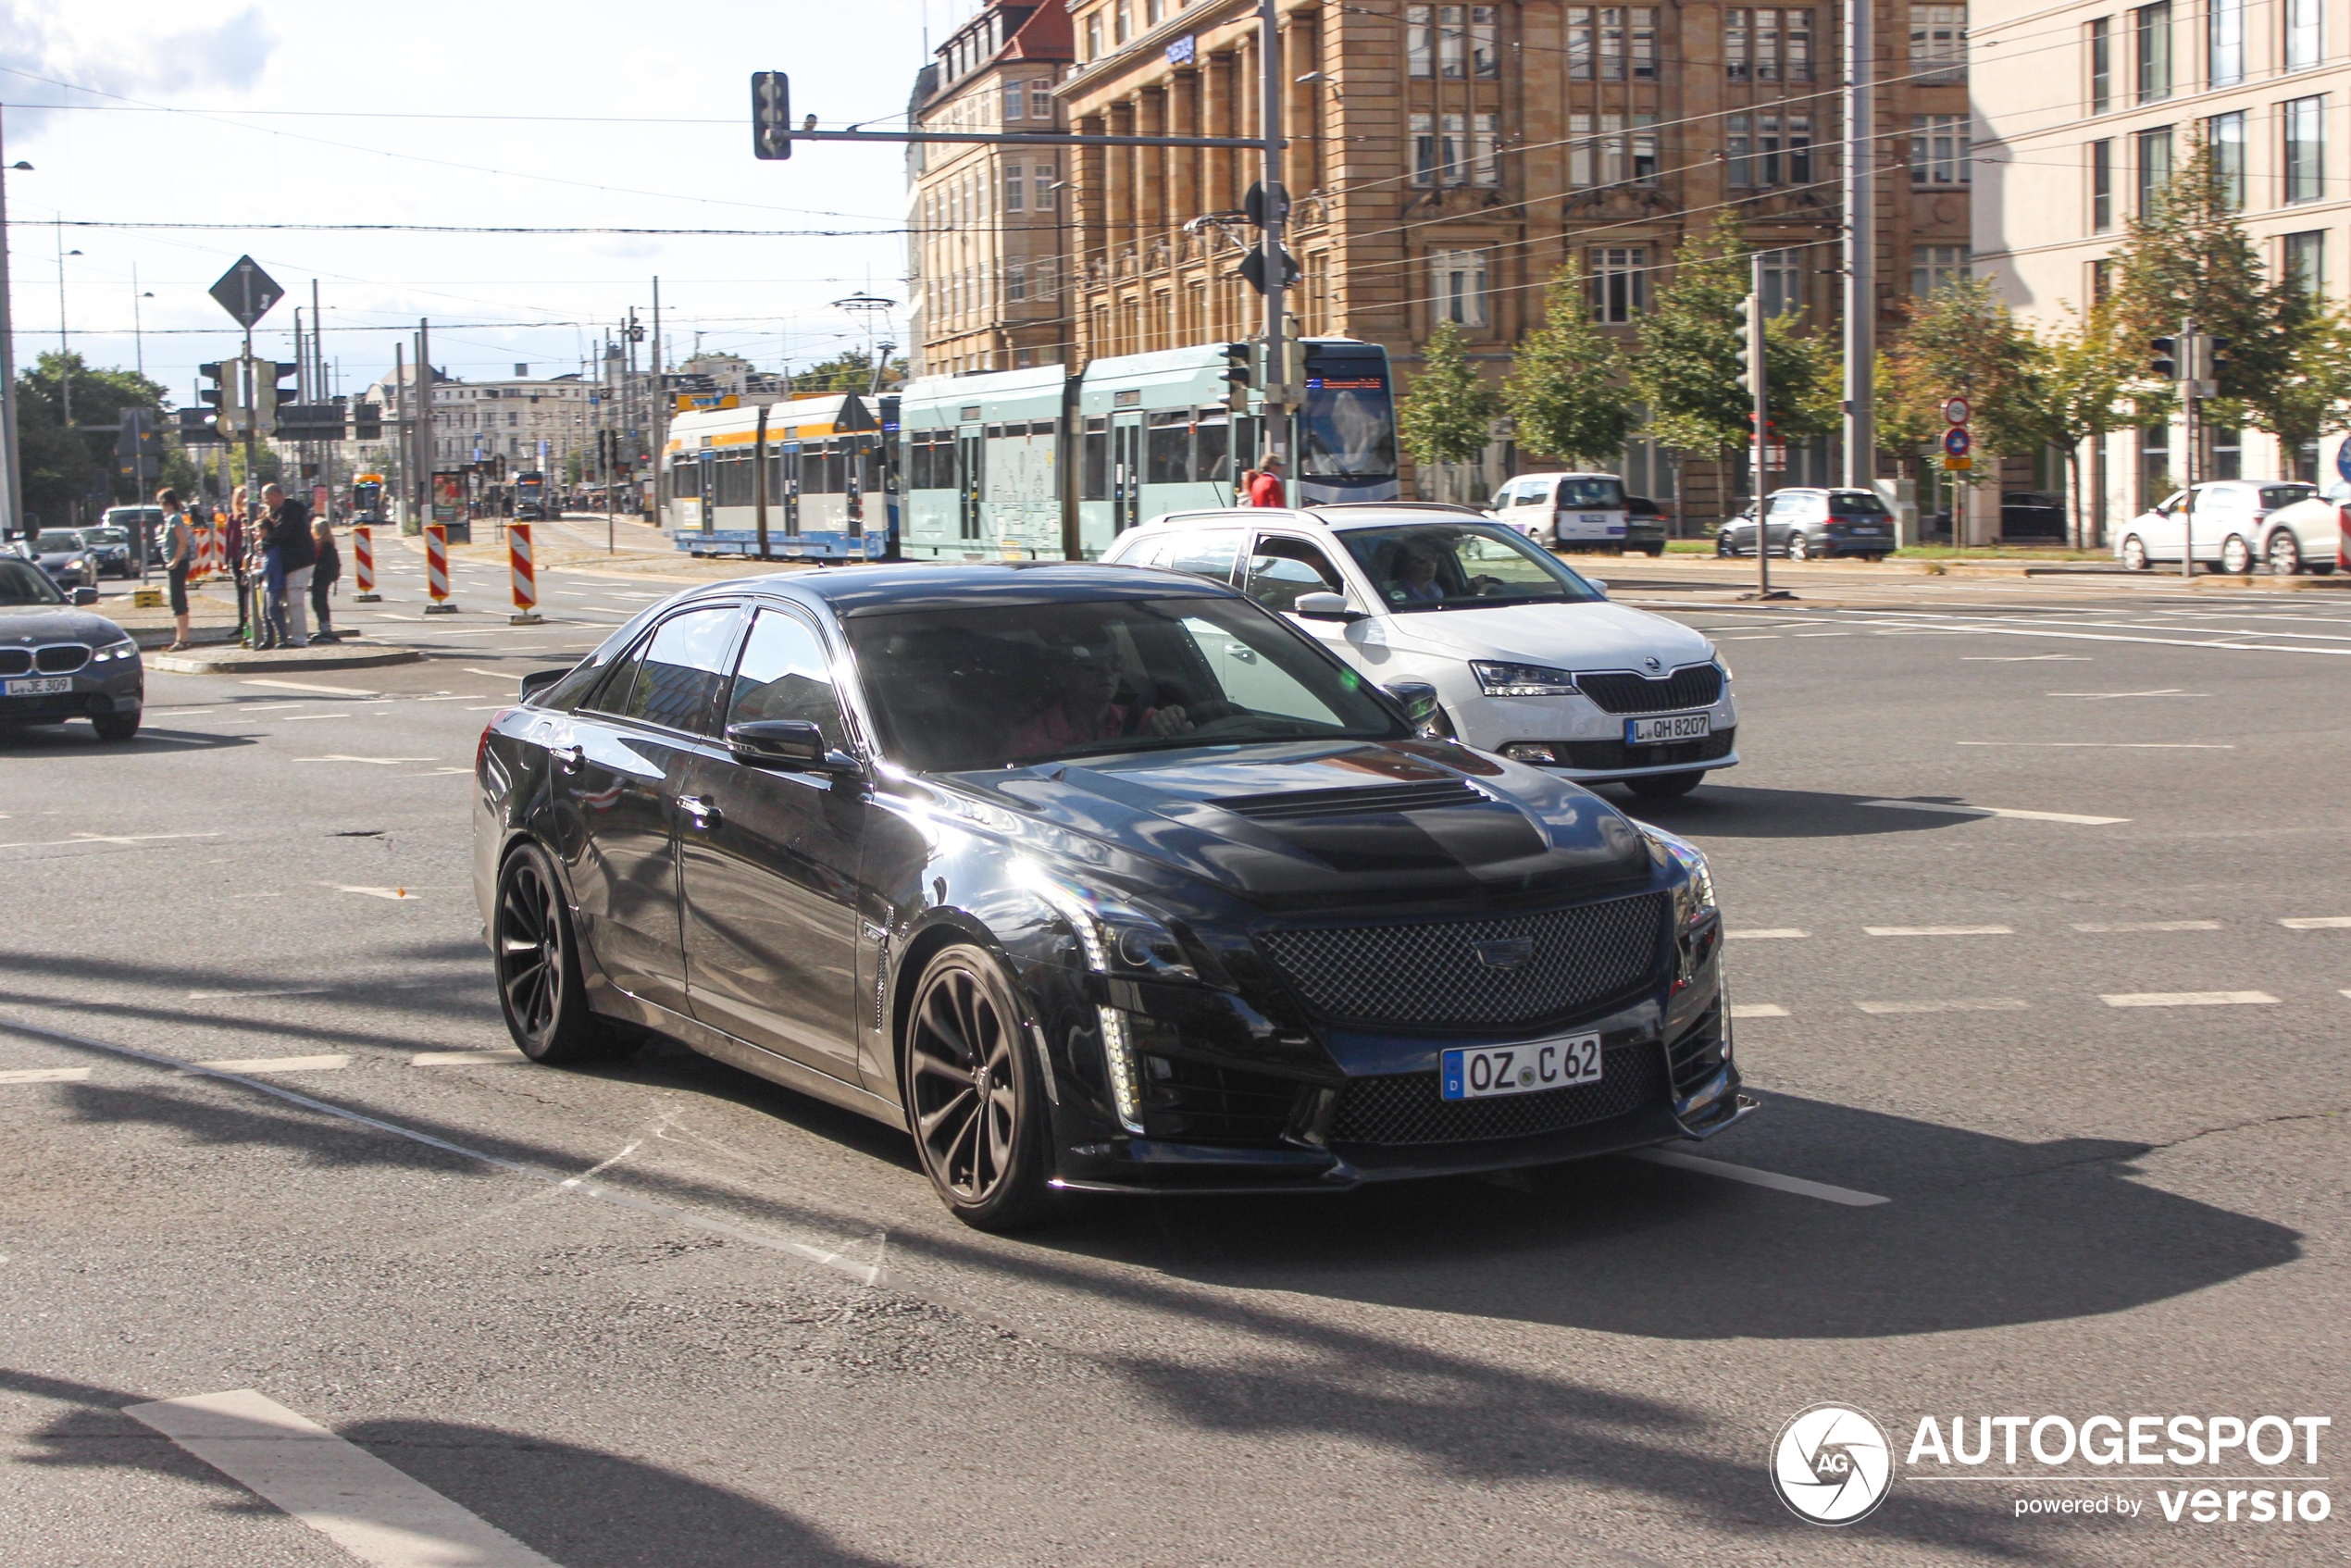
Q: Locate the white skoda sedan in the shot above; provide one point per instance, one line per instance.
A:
(1528, 659)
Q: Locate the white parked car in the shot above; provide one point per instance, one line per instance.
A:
(1576, 512)
(2231, 523)
(1528, 659)
(2307, 535)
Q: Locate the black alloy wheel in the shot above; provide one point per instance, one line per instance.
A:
(2286, 553)
(117, 726)
(973, 1095)
(540, 988)
(1665, 785)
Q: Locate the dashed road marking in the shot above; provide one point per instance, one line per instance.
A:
(395, 893)
(278, 1064)
(2106, 745)
(2119, 925)
(1753, 1177)
(239, 996)
(2166, 691)
(1765, 934)
(45, 1076)
(2023, 658)
(1950, 1005)
(1757, 1010)
(1952, 808)
(501, 1057)
(312, 686)
(1940, 930)
(380, 762)
(2191, 998)
(2317, 923)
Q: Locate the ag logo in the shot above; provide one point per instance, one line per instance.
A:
(1831, 1464)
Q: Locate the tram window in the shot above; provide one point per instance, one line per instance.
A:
(1212, 445)
(733, 482)
(776, 477)
(1093, 480)
(1167, 449)
(995, 432)
(835, 470)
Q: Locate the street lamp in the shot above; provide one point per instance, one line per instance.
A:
(11, 483)
(65, 369)
(138, 342)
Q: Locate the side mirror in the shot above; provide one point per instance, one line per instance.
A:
(787, 742)
(1600, 585)
(1324, 607)
(1418, 699)
(537, 680)
(85, 596)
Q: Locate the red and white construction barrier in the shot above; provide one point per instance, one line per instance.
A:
(437, 569)
(363, 564)
(526, 580)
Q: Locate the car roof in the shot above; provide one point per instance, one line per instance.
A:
(890, 585)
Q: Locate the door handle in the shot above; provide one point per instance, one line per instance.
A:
(568, 758)
(702, 808)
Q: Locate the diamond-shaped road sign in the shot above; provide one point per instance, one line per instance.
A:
(246, 293)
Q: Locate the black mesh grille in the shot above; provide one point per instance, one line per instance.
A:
(1293, 804)
(1434, 973)
(63, 659)
(1409, 1107)
(1617, 754)
(1693, 686)
(1698, 1055)
(1200, 1102)
(16, 661)
(69, 705)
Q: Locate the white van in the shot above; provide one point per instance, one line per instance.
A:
(1566, 511)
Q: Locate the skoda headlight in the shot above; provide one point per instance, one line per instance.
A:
(1501, 680)
(126, 649)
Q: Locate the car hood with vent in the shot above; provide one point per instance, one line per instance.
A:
(27, 624)
(1335, 823)
(1578, 637)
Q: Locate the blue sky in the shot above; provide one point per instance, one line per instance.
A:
(431, 111)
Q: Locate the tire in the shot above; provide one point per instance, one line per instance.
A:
(1665, 785)
(117, 726)
(1655, 553)
(2284, 554)
(973, 1099)
(1723, 546)
(2134, 555)
(541, 992)
(2236, 557)
(1798, 547)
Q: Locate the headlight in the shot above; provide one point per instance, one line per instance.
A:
(1724, 665)
(1664, 847)
(1499, 679)
(1119, 938)
(126, 649)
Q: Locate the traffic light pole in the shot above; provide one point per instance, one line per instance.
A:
(1760, 417)
(1278, 392)
(2189, 370)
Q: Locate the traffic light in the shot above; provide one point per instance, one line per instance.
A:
(198, 427)
(1750, 327)
(366, 421)
(270, 393)
(227, 395)
(1240, 376)
(2164, 361)
(770, 114)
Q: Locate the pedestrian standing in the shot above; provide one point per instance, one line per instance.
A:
(234, 541)
(179, 555)
(297, 558)
(323, 578)
(1266, 490)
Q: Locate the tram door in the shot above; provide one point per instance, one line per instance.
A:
(971, 449)
(853, 459)
(791, 489)
(1126, 472)
(706, 488)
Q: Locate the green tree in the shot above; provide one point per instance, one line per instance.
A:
(1965, 343)
(2082, 388)
(1448, 416)
(2312, 398)
(62, 467)
(1567, 391)
(850, 370)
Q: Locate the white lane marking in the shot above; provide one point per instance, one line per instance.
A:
(1952, 809)
(131, 840)
(1953, 1004)
(2023, 658)
(2147, 925)
(375, 1513)
(1753, 1177)
(233, 996)
(498, 1057)
(310, 686)
(2191, 998)
(461, 697)
(2166, 691)
(278, 1064)
(492, 674)
(2317, 923)
(371, 892)
(1822, 634)
(380, 762)
(1764, 934)
(300, 718)
(1940, 930)
(2106, 745)
(491, 709)
(45, 1076)
(2159, 641)
(1757, 1010)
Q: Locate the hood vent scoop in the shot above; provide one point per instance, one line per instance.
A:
(1321, 805)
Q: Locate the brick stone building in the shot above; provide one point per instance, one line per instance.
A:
(1445, 160)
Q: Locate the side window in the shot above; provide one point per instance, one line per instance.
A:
(1535, 493)
(611, 694)
(1205, 555)
(1283, 568)
(1503, 497)
(684, 665)
(784, 675)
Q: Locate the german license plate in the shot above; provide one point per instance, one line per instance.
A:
(1667, 726)
(1483, 1072)
(42, 686)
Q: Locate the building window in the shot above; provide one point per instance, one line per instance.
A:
(1452, 40)
(1767, 46)
(1622, 39)
(2101, 65)
(2305, 148)
(1938, 150)
(1447, 157)
(1935, 268)
(2305, 261)
(1014, 95)
(1420, 40)
(1611, 159)
(1767, 151)
(2101, 187)
(1012, 188)
(2224, 44)
(2225, 134)
(1094, 36)
(1459, 286)
(1938, 43)
(1485, 151)
(2151, 39)
(2228, 452)
(1782, 282)
(2101, 280)
(1620, 284)
(2155, 466)
(1123, 23)
(1041, 100)
(1153, 10)
(1042, 187)
(2304, 37)
(2155, 166)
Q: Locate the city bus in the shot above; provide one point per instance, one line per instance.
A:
(831, 481)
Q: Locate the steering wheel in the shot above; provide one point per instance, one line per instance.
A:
(1483, 586)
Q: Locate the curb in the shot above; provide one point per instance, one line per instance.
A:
(235, 660)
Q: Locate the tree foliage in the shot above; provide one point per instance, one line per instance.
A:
(1448, 416)
(850, 370)
(1567, 392)
(1965, 343)
(63, 467)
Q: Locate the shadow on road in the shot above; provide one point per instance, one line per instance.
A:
(1732, 811)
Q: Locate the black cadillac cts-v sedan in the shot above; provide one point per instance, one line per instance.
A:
(1089, 878)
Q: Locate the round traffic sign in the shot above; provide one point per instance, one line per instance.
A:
(1956, 411)
(1956, 440)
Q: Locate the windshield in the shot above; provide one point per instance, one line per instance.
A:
(106, 536)
(2276, 495)
(21, 583)
(1604, 491)
(1347, 427)
(56, 539)
(1856, 501)
(1460, 567)
(957, 690)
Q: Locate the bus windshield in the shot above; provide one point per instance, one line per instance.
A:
(1347, 427)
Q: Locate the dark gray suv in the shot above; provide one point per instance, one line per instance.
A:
(1809, 524)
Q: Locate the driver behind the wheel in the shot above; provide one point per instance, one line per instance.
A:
(1416, 581)
(1084, 672)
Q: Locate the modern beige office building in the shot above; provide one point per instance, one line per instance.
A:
(2083, 109)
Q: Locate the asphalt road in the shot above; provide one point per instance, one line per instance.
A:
(2090, 1054)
